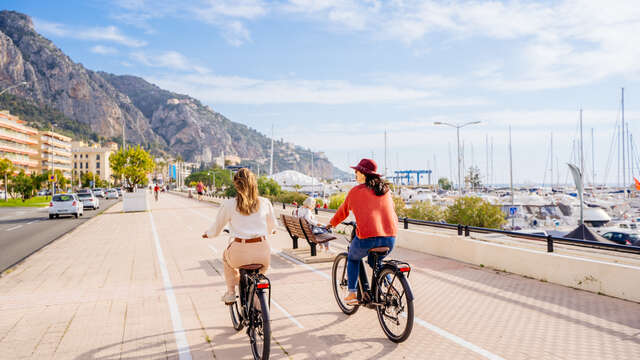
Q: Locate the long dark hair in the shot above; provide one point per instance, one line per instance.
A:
(375, 183)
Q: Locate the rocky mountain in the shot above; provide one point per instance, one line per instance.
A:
(156, 118)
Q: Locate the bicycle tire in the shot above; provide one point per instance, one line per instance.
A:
(236, 317)
(262, 316)
(339, 283)
(393, 299)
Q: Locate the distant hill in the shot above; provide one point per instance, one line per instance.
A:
(97, 104)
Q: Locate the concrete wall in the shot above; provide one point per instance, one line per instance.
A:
(598, 271)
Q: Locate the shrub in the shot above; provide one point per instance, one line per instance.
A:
(336, 200)
(425, 210)
(399, 205)
(474, 211)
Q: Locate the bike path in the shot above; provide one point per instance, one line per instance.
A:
(101, 292)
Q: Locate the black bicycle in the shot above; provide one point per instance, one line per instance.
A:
(251, 309)
(389, 294)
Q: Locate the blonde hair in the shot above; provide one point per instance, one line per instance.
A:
(309, 202)
(247, 201)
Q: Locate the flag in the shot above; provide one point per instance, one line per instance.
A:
(637, 184)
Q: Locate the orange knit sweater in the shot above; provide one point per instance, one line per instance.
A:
(374, 214)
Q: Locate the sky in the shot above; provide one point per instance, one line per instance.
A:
(334, 75)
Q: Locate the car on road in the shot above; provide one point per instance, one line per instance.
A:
(623, 237)
(89, 200)
(65, 204)
(111, 194)
(98, 192)
(119, 191)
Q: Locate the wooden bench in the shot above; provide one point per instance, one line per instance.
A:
(299, 228)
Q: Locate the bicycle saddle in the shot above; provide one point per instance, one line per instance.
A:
(251, 267)
(380, 249)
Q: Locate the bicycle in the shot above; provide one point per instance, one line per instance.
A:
(255, 316)
(389, 294)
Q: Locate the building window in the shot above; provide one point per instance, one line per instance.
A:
(80, 165)
(98, 157)
(86, 165)
(98, 166)
(75, 156)
(75, 165)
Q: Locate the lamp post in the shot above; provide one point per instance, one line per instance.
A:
(458, 127)
(53, 169)
(13, 86)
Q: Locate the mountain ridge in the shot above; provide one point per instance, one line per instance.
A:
(156, 118)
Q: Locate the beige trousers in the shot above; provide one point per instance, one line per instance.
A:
(238, 254)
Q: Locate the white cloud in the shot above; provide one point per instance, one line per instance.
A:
(107, 33)
(103, 50)
(170, 60)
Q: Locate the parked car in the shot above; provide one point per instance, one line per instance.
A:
(85, 191)
(89, 200)
(623, 238)
(119, 190)
(65, 204)
(98, 192)
(111, 194)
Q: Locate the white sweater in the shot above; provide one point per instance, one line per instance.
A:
(260, 223)
(307, 214)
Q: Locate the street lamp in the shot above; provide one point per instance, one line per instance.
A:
(458, 127)
(13, 86)
(53, 170)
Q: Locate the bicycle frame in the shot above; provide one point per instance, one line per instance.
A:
(250, 285)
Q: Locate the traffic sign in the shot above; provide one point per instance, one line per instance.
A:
(52, 178)
(513, 210)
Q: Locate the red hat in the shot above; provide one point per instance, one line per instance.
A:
(367, 167)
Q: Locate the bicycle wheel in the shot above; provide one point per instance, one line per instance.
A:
(260, 331)
(396, 312)
(339, 284)
(236, 316)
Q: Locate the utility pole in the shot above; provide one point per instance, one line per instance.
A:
(624, 162)
(271, 162)
(593, 159)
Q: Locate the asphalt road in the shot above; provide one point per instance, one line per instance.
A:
(25, 230)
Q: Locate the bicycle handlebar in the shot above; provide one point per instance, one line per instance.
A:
(350, 223)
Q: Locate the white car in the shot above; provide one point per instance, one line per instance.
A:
(98, 192)
(111, 194)
(88, 200)
(65, 204)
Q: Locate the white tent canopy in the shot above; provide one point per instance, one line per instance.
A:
(292, 178)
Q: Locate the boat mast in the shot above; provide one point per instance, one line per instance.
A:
(486, 143)
(593, 160)
(624, 140)
(581, 145)
(513, 218)
(492, 179)
(271, 161)
(551, 161)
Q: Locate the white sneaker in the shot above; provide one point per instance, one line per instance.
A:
(228, 298)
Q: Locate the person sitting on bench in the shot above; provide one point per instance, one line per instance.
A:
(306, 212)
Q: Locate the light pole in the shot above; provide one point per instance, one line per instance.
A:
(458, 127)
(53, 168)
(13, 86)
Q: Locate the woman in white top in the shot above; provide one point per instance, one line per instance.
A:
(251, 219)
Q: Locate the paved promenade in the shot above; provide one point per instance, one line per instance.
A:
(146, 286)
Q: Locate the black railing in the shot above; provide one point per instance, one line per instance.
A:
(550, 240)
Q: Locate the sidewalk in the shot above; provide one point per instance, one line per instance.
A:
(104, 291)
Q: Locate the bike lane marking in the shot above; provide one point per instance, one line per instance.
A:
(13, 228)
(447, 335)
(184, 353)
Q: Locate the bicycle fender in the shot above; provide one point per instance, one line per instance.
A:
(400, 276)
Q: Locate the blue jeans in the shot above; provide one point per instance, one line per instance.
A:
(358, 249)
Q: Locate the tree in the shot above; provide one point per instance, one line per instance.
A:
(61, 181)
(474, 211)
(425, 210)
(6, 169)
(268, 187)
(473, 178)
(134, 164)
(21, 184)
(87, 178)
(444, 183)
(39, 180)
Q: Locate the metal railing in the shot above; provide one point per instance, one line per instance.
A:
(466, 230)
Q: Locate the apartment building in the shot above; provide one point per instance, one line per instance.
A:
(18, 143)
(93, 158)
(55, 152)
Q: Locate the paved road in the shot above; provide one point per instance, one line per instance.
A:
(25, 230)
(146, 286)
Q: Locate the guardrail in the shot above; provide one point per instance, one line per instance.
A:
(466, 230)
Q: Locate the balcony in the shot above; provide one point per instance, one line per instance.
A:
(19, 159)
(6, 123)
(48, 149)
(49, 140)
(17, 148)
(17, 137)
(47, 165)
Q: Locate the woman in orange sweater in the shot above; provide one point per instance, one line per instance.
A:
(373, 208)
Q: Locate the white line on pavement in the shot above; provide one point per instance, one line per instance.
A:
(181, 339)
(426, 325)
(214, 249)
(15, 227)
(32, 222)
(293, 320)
